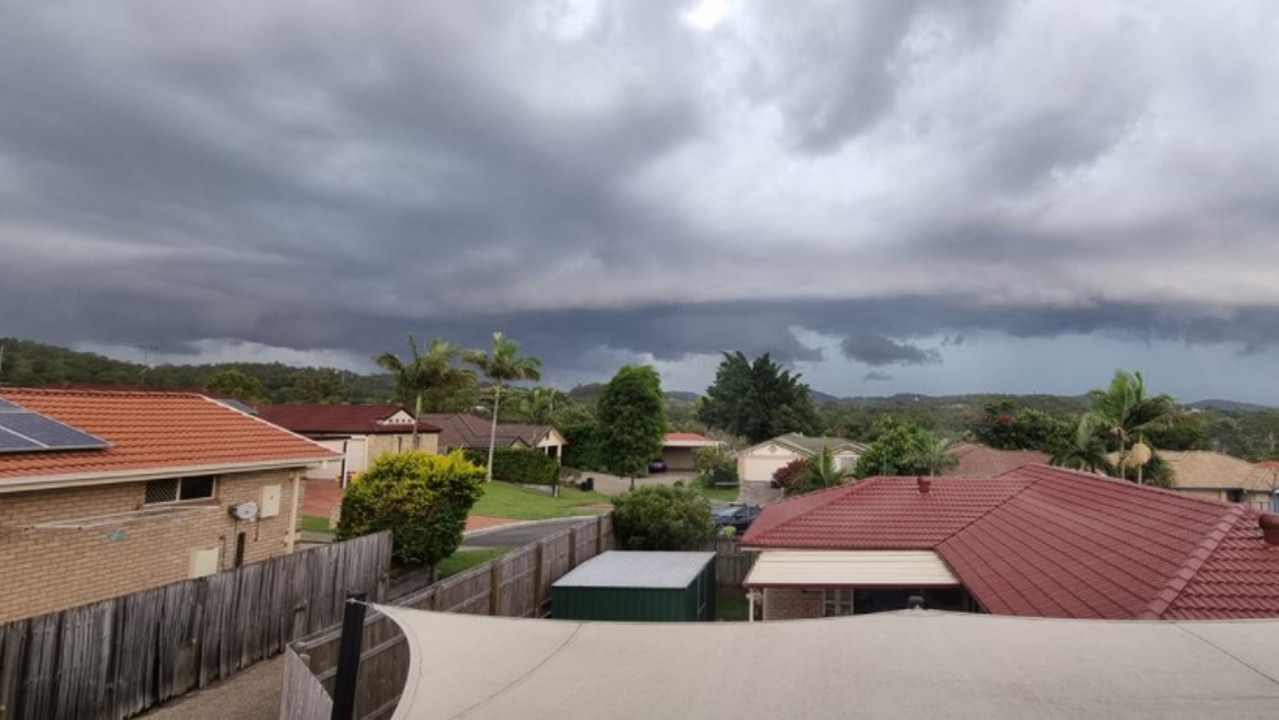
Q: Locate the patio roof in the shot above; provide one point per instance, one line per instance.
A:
(850, 568)
(908, 664)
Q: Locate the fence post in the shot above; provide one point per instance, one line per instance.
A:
(539, 555)
(599, 535)
(349, 657)
(572, 547)
(495, 587)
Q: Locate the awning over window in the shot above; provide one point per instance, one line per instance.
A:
(850, 568)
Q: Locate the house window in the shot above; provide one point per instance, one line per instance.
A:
(838, 602)
(1234, 496)
(179, 489)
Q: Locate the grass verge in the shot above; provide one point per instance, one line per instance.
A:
(723, 493)
(465, 559)
(311, 523)
(731, 604)
(505, 500)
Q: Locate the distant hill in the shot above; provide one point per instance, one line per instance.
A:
(1230, 405)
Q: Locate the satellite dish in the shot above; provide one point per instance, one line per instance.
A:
(247, 510)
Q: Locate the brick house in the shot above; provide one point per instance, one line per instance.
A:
(359, 432)
(1035, 542)
(151, 504)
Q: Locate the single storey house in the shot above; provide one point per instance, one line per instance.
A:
(756, 464)
(678, 449)
(462, 431)
(1223, 477)
(359, 432)
(1037, 542)
(106, 493)
(977, 460)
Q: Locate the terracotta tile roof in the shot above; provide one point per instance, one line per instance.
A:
(151, 430)
(976, 460)
(340, 419)
(1048, 542)
(459, 430)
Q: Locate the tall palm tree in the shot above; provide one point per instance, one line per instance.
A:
(537, 405)
(932, 452)
(502, 365)
(421, 372)
(1123, 413)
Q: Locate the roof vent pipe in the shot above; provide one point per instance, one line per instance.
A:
(1269, 523)
(925, 484)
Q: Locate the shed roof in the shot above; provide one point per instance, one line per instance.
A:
(638, 569)
(908, 664)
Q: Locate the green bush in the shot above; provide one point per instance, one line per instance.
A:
(423, 499)
(523, 466)
(584, 448)
(661, 517)
(715, 465)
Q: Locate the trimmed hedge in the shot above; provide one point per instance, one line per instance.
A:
(518, 465)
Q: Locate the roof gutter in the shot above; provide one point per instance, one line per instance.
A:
(109, 477)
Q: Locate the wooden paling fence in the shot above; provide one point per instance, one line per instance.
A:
(732, 564)
(517, 584)
(115, 658)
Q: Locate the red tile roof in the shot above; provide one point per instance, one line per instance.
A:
(151, 431)
(340, 419)
(686, 437)
(977, 460)
(1048, 542)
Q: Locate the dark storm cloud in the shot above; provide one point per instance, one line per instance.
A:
(332, 175)
(877, 376)
(878, 351)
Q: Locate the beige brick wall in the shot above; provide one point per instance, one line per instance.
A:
(51, 568)
(378, 444)
(788, 604)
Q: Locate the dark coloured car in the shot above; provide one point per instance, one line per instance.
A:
(657, 466)
(738, 517)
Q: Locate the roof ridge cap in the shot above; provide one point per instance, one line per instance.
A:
(846, 488)
(1033, 482)
(1190, 567)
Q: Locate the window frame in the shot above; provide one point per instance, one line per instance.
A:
(180, 489)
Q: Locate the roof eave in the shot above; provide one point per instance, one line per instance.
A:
(111, 477)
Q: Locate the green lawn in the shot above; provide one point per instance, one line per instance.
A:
(311, 523)
(505, 500)
(465, 559)
(724, 493)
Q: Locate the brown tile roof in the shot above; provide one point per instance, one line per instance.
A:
(1048, 542)
(151, 430)
(340, 419)
(459, 430)
(976, 460)
(1206, 470)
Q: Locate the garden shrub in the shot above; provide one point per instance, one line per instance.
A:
(662, 517)
(525, 466)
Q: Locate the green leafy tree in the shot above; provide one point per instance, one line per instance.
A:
(423, 499)
(757, 400)
(1085, 450)
(662, 517)
(235, 383)
(895, 450)
(632, 421)
(585, 446)
(792, 477)
(321, 387)
(502, 365)
(421, 372)
(1005, 426)
(1123, 413)
(715, 466)
(820, 472)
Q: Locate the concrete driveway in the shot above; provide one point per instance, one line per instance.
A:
(614, 485)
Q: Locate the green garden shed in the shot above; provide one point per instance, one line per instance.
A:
(639, 586)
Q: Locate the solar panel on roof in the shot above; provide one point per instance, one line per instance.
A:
(24, 431)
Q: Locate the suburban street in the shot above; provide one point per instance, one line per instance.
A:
(519, 534)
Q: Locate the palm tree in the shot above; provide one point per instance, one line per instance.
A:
(503, 364)
(932, 453)
(1123, 412)
(537, 405)
(822, 471)
(421, 372)
(1085, 451)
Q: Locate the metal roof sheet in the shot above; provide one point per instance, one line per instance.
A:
(638, 569)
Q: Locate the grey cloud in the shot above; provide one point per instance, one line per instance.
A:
(877, 376)
(877, 350)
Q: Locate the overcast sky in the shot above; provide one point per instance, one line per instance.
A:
(889, 195)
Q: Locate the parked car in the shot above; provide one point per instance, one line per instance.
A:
(657, 466)
(738, 517)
